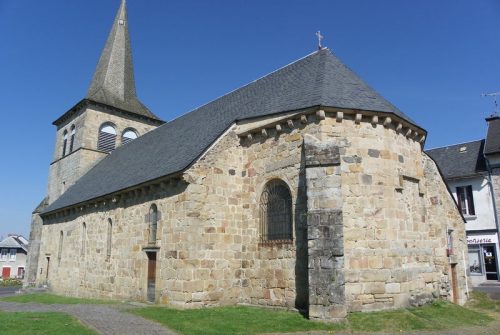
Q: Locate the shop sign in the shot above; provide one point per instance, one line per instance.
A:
(482, 239)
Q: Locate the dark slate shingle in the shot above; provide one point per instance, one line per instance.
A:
(319, 79)
(492, 145)
(460, 160)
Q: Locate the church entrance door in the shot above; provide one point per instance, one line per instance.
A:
(151, 276)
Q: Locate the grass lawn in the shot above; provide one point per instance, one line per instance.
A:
(47, 298)
(231, 320)
(28, 323)
(251, 320)
(437, 316)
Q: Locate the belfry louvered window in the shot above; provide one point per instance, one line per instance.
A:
(276, 212)
(107, 138)
(128, 135)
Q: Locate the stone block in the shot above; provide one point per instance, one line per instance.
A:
(393, 287)
(374, 287)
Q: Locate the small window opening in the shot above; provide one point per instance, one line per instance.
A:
(108, 244)
(59, 253)
(153, 223)
(84, 238)
(72, 139)
(65, 142)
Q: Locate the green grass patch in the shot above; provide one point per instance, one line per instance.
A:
(392, 321)
(27, 323)
(47, 298)
(236, 320)
(252, 320)
(480, 300)
(437, 316)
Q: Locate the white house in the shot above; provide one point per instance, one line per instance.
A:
(13, 251)
(469, 179)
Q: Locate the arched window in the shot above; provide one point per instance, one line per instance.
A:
(72, 138)
(128, 135)
(84, 238)
(153, 223)
(108, 244)
(59, 252)
(107, 138)
(276, 212)
(65, 142)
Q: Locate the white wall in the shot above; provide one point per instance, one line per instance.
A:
(485, 216)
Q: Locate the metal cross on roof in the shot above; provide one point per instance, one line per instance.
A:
(320, 37)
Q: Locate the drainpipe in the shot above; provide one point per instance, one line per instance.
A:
(488, 167)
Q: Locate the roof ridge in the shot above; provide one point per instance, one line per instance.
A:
(246, 85)
(451, 145)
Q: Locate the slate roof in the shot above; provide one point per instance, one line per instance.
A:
(319, 79)
(492, 145)
(460, 160)
(13, 242)
(113, 82)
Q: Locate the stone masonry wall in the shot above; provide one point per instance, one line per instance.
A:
(75, 164)
(378, 202)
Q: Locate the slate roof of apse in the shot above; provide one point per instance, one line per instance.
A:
(319, 79)
(492, 145)
(12, 242)
(454, 163)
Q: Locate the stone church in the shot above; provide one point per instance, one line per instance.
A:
(303, 189)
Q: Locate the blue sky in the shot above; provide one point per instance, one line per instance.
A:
(432, 59)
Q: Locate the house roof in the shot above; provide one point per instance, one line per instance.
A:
(460, 160)
(319, 79)
(14, 242)
(492, 145)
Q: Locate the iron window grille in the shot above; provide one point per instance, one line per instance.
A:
(276, 213)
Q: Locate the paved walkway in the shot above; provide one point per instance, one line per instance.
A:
(106, 320)
(492, 288)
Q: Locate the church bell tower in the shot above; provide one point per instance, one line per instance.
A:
(109, 116)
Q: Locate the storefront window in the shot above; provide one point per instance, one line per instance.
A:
(475, 261)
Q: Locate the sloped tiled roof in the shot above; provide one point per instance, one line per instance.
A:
(460, 160)
(492, 145)
(319, 79)
(13, 242)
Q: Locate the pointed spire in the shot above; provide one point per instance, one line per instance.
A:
(113, 82)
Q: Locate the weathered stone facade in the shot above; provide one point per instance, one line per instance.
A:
(66, 169)
(371, 217)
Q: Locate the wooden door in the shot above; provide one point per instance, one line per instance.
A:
(454, 285)
(5, 272)
(151, 276)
